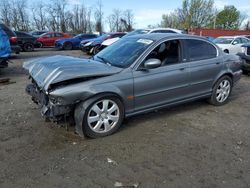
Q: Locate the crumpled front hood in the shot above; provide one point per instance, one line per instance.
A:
(54, 69)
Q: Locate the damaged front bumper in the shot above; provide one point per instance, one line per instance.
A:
(48, 109)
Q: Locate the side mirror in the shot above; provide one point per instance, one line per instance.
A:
(234, 43)
(152, 63)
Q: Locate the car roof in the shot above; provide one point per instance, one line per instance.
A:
(236, 36)
(159, 36)
(164, 28)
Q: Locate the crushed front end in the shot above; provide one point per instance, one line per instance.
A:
(49, 107)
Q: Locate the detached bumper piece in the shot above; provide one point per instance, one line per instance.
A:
(48, 110)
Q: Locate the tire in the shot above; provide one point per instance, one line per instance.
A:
(98, 122)
(68, 46)
(96, 49)
(28, 47)
(221, 91)
(39, 44)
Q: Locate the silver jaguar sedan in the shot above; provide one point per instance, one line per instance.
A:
(135, 75)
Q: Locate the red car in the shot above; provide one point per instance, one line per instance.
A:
(48, 39)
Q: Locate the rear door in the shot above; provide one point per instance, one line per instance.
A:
(204, 65)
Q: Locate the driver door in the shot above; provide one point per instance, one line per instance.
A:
(236, 46)
(165, 84)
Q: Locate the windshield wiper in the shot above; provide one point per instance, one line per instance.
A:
(106, 61)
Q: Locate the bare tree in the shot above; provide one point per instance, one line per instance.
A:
(247, 25)
(5, 12)
(128, 20)
(99, 16)
(121, 20)
(114, 20)
(39, 16)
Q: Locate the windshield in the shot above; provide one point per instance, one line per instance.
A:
(78, 36)
(124, 52)
(223, 40)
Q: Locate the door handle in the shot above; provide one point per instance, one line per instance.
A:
(182, 69)
(217, 63)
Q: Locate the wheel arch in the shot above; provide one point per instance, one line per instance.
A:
(229, 74)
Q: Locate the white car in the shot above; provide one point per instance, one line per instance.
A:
(141, 31)
(231, 44)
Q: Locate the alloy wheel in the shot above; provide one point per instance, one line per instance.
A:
(103, 116)
(223, 91)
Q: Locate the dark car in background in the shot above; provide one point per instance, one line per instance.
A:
(12, 38)
(48, 39)
(135, 75)
(26, 41)
(245, 56)
(73, 43)
(92, 46)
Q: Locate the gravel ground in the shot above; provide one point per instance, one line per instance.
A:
(191, 145)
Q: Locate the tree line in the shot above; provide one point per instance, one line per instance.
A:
(203, 14)
(59, 15)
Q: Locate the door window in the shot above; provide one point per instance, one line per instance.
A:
(199, 50)
(58, 35)
(51, 35)
(167, 52)
(244, 40)
(237, 41)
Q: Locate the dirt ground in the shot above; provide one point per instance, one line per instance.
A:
(192, 145)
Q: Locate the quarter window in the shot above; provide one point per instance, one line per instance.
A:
(199, 50)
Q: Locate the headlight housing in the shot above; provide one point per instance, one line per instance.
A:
(89, 43)
(243, 49)
(56, 100)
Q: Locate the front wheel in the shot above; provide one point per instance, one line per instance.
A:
(28, 47)
(68, 46)
(221, 91)
(103, 117)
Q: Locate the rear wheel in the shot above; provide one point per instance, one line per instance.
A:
(103, 117)
(28, 47)
(68, 46)
(39, 44)
(221, 91)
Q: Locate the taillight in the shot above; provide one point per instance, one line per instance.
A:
(13, 39)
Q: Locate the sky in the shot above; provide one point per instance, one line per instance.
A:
(149, 12)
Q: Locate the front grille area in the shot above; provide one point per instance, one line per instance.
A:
(248, 50)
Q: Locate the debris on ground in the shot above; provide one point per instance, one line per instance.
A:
(5, 81)
(121, 185)
(112, 161)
